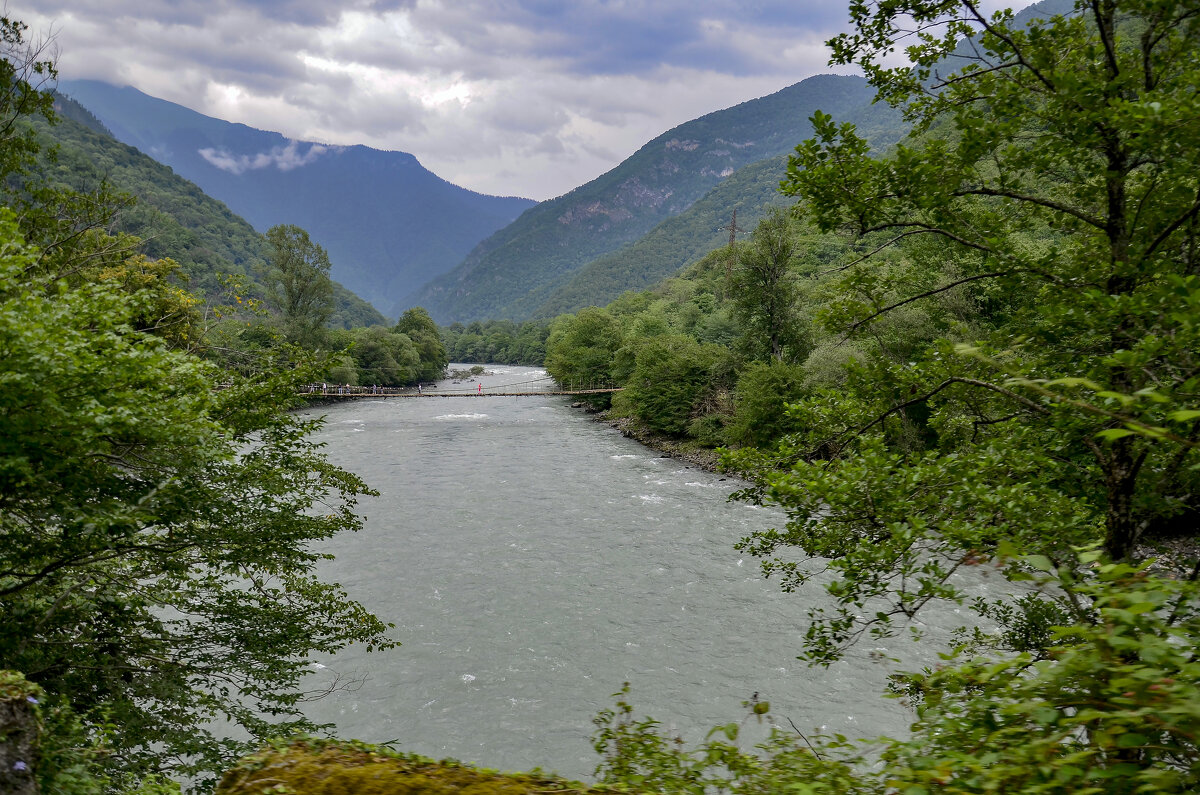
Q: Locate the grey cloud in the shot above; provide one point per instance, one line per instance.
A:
(379, 120)
(509, 112)
(584, 36)
(592, 36)
(306, 13)
(549, 94)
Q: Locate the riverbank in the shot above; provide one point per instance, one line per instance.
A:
(687, 451)
(1173, 557)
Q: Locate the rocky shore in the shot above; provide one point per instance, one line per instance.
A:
(1174, 557)
(689, 452)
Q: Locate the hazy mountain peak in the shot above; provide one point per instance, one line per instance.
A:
(389, 224)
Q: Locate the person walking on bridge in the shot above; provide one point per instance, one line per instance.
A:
(480, 387)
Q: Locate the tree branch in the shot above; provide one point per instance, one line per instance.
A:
(855, 326)
(1016, 51)
(1173, 226)
(1030, 404)
(1049, 204)
(870, 254)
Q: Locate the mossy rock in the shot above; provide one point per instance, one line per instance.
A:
(19, 733)
(310, 766)
(14, 686)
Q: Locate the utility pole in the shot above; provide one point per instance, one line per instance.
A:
(733, 231)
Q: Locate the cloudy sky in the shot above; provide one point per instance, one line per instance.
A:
(511, 97)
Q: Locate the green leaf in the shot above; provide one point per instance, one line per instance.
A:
(1039, 562)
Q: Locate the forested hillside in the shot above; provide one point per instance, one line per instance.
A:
(172, 217)
(752, 191)
(389, 224)
(513, 272)
(255, 304)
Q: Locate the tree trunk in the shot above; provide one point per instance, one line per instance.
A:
(1121, 483)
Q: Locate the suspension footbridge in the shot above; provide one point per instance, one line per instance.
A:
(546, 386)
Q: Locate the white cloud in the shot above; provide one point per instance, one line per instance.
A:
(284, 158)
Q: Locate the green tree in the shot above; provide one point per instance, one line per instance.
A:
(157, 565)
(581, 347)
(1048, 169)
(157, 570)
(672, 377)
(764, 390)
(1052, 168)
(385, 357)
(763, 290)
(25, 74)
(530, 344)
(419, 327)
(298, 283)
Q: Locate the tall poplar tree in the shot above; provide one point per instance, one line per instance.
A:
(763, 290)
(298, 283)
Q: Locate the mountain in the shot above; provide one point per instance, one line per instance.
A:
(670, 246)
(513, 272)
(389, 224)
(681, 240)
(752, 191)
(663, 208)
(173, 217)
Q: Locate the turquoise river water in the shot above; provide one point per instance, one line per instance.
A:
(532, 560)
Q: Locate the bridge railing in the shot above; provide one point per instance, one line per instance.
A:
(344, 390)
(586, 386)
(326, 388)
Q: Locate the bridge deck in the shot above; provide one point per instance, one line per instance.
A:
(433, 393)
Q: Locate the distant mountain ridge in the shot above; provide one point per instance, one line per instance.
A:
(516, 271)
(172, 216)
(389, 224)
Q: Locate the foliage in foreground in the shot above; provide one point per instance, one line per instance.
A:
(1114, 708)
(157, 569)
(324, 767)
(157, 576)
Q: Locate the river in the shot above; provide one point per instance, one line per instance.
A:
(532, 560)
